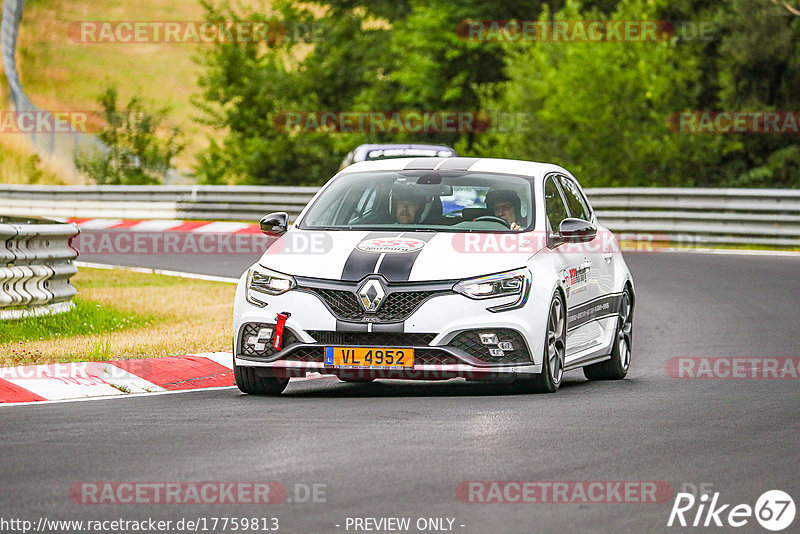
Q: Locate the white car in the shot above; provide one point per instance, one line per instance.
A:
(437, 268)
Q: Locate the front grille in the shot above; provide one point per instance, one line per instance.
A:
(435, 357)
(306, 354)
(343, 304)
(470, 342)
(398, 305)
(251, 329)
(371, 338)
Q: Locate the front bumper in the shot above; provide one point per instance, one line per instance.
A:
(434, 328)
(459, 359)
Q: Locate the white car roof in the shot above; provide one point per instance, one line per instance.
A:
(505, 166)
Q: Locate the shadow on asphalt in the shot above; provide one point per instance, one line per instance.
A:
(333, 388)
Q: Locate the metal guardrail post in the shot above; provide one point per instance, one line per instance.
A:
(36, 264)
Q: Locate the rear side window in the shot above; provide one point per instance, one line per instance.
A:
(554, 204)
(578, 207)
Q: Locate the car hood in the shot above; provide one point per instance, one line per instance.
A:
(398, 256)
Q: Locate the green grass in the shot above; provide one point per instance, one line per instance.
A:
(120, 315)
(59, 73)
(86, 318)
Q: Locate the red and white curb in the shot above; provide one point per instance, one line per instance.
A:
(167, 225)
(103, 379)
(111, 379)
(222, 228)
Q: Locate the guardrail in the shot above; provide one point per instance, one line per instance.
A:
(35, 267)
(767, 217)
(207, 202)
(689, 216)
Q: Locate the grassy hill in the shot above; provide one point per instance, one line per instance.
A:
(59, 73)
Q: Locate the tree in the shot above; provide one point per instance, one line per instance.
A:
(601, 108)
(132, 152)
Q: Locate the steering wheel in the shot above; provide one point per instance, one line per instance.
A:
(492, 218)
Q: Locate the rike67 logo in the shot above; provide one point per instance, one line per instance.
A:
(774, 510)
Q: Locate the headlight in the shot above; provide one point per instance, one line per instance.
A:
(261, 281)
(510, 283)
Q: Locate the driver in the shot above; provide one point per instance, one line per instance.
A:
(505, 204)
(408, 206)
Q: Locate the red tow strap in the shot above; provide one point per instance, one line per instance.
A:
(277, 344)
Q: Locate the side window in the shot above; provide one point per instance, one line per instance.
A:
(578, 207)
(554, 204)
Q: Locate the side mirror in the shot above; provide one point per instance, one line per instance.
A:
(275, 223)
(577, 230)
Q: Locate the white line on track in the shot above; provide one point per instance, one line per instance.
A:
(147, 270)
(719, 251)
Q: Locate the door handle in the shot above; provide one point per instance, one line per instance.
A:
(608, 256)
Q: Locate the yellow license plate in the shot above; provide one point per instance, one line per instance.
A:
(369, 357)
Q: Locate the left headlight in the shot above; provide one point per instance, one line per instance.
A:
(510, 283)
(266, 282)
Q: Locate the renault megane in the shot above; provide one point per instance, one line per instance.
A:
(437, 268)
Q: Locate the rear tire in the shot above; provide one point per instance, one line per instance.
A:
(617, 367)
(248, 382)
(555, 348)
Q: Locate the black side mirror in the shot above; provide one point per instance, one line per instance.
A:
(275, 223)
(577, 230)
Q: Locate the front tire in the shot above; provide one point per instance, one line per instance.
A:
(555, 349)
(249, 382)
(617, 367)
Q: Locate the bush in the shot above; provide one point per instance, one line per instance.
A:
(133, 153)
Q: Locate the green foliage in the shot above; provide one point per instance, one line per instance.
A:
(133, 153)
(601, 109)
(32, 169)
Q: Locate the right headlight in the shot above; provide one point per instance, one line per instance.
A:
(261, 281)
(509, 283)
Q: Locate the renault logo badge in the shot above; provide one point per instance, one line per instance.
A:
(371, 295)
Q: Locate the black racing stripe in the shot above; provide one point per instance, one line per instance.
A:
(397, 267)
(594, 310)
(360, 264)
(423, 164)
(458, 164)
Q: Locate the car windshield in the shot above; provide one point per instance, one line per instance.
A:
(424, 201)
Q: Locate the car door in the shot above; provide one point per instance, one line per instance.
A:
(590, 320)
(570, 263)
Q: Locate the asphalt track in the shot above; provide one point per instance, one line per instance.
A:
(400, 449)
